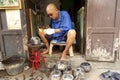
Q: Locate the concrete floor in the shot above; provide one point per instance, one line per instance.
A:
(97, 68)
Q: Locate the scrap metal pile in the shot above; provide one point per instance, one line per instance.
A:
(63, 70)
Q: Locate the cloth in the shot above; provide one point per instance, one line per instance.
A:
(63, 23)
(110, 76)
(49, 31)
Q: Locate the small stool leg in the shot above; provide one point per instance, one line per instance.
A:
(50, 51)
(32, 67)
(71, 51)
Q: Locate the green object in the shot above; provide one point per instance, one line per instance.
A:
(80, 27)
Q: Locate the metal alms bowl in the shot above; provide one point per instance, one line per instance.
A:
(55, 75)
(14, 64)
(62, 65)
(86, 66)
(35, 40)
(67, 77)
(78, 71)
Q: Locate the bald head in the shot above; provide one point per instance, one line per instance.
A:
(52, 11)
(51, 7)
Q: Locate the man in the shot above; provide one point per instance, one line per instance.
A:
(61, 25)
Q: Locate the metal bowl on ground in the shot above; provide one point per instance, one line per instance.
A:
(86, 66)
(62, 65)
(68, 70)
(14, 64)
(55, 75)
(78, 71)
(67, 77)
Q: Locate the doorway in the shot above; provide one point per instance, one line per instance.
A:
(76, 9)
(72, 6)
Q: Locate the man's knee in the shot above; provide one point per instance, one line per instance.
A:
(41, 31)
(72, 33)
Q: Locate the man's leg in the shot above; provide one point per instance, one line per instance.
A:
(44, 39)
(71, 35)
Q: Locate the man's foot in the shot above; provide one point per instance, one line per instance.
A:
(63, 57)
(45, 52)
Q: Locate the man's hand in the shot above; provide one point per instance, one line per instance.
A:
(49, 31)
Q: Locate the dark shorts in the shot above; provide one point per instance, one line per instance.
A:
(50, 37)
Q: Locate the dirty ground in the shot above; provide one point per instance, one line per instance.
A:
(43, 73)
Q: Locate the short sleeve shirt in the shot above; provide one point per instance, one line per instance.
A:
(63, 23)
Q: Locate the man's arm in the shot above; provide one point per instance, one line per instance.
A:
(57, 30)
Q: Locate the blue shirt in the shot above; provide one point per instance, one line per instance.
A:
(63, 23)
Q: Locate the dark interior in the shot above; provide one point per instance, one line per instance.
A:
(72, 6)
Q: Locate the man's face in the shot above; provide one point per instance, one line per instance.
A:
(53, 14)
